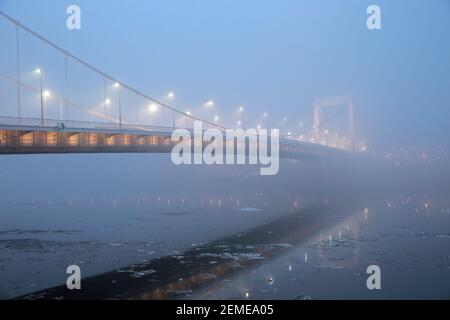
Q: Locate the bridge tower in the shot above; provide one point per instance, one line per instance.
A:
(329, 103)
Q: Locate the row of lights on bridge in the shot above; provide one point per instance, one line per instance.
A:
(154, 107)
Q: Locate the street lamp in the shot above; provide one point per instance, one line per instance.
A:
(240, 111)
(45, 95)
(153, 108)
(106, 103)
(209, 104)
(117, 86)
(39, 72)
(265, 118)
(171, 95)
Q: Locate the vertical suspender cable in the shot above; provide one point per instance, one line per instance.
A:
(19, 102)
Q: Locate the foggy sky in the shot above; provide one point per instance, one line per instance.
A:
(271, 56)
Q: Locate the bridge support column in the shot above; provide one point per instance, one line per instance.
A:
(334, 102)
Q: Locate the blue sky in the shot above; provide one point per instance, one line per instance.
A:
(271, 56)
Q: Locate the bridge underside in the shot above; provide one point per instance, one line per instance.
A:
(53, 141)
(44, 142)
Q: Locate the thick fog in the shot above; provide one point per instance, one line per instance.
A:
(238, 64)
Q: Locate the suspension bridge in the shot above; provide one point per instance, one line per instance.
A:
(86, 122)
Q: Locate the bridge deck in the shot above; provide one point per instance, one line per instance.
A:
(31, 136)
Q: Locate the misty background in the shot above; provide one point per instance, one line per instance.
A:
(274, 57)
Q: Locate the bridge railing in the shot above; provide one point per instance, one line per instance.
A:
(60, 125)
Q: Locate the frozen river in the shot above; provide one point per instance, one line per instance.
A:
(124, 215)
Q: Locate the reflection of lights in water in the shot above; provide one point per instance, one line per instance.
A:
(270, 280)
(290, 268)
(331, 240)
(247, 295)
(340, 233)
(366, 210)
(306, 258)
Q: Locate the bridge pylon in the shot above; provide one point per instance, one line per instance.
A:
(329, 103)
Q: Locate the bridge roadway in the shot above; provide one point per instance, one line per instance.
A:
(31, 136)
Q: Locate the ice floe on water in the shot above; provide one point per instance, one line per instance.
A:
(430, 235)
(42, 246)
(250, 209)
(442, 236)
(38, 232)
(137, 271)
(233, 256)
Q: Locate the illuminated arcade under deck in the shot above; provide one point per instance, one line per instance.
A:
(31, 136)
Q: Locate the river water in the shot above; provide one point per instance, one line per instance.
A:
(308, 233)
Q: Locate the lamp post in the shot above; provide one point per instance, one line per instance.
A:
(39, 72)
(117, 86)
(171, 95)
(210, 106)
(45, 95)
(241, 113)
(106, 103)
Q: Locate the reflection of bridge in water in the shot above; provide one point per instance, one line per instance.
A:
(100, 129)
(176, 276)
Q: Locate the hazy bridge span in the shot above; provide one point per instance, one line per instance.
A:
(111, 124)
(29, 136)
